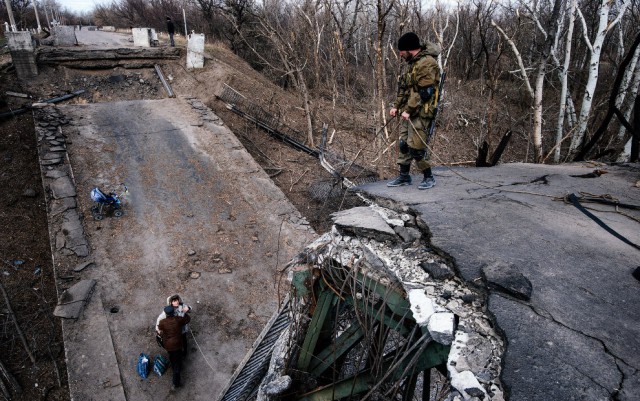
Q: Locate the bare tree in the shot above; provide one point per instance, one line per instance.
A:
(595, 50)
(563, 73)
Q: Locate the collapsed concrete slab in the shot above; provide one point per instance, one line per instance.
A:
(354, 270)
(560, 285)
(364, 222)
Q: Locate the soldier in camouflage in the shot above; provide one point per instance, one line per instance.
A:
(416, 103)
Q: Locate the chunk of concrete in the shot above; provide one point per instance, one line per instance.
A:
(83, 266)
(467, 384)
(141, 37)
(438, 271)
(51, 162)
(421, 306)
(195, 50)
(441, 327)
(55, 174)
(363, 222)
(507, 279)
(408, 234)
(73, 300)
(278, 386)
(64, 35)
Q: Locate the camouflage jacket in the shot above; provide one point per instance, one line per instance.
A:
(422, 72)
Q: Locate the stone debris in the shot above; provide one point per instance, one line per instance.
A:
(467, 384)
(386, 246)
(208, 117)
(506, 278)
(69, 234)
(83, 266)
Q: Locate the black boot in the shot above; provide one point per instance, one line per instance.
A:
(403, 179)
(429, 180)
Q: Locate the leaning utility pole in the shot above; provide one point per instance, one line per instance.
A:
(35, 8)
(12, 21)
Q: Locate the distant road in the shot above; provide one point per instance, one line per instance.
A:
(102, 39)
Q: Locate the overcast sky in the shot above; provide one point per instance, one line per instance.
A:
(81, 5)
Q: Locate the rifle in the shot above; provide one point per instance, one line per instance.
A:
(432, 124)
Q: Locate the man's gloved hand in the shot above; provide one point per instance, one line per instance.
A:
(405, 115)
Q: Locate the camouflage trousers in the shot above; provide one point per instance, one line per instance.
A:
(414, 135)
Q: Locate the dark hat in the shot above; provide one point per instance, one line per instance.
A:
(168, 18)
(168, 310)
(409, 41)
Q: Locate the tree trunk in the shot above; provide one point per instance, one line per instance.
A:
(595, 49)
(635, 138)
(537, 112)
(612, 109)
(563, 80)
(302, 86)
(634, 78)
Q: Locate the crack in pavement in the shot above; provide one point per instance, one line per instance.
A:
(555, 320)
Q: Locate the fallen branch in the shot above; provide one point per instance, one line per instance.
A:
(15, 322)
(298, 180)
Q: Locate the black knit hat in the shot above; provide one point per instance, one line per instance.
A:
(409, 41)
(168, 310)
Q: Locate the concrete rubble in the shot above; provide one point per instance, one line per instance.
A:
(556, 284)
(68, 234)
(440, 302)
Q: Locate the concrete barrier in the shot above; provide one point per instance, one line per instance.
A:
(22, 54)
(195, 51)
(64, 35)
(109, 28)
(141, 37)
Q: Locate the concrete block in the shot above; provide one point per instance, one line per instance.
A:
(421, 306)
(22, 54)
(109, 28)
(195, 51)
(154, 38)
(64, 35)
(441, 327)
(141, 37)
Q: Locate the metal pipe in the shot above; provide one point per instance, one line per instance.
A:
(167, 87)
(4, 116)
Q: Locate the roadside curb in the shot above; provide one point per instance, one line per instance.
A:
(69, 247)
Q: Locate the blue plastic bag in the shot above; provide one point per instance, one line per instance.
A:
(143, 367)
